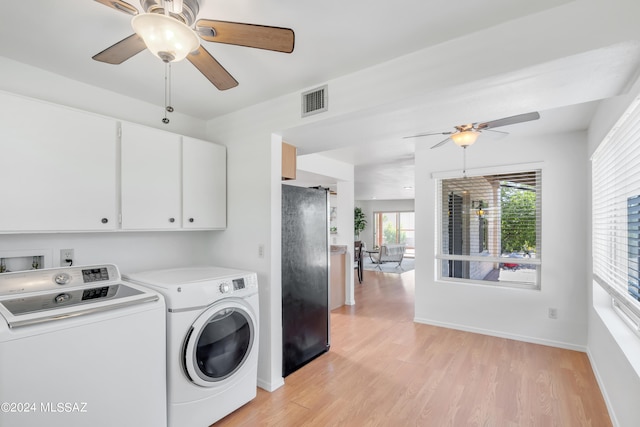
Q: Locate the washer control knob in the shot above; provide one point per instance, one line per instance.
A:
(62, 298)
(224, 287)
(62, 278)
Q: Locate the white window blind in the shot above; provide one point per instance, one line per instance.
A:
(490, 228)
(616, 214)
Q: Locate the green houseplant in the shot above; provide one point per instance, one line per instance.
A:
(359, 222)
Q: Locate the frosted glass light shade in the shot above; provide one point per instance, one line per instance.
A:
(166, 37)
(466, 138)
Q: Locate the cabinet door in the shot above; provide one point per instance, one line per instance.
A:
(150, 178)
(204, 184)
(58, 168)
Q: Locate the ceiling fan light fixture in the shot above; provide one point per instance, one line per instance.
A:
(465, 138)
(166, 37)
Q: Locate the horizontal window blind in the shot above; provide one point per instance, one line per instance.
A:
(616, 212)
(490, 227)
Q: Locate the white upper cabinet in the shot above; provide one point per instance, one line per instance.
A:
(150, 178)
(58, 170)
(169, 182)
(67, 170)
(204, 184)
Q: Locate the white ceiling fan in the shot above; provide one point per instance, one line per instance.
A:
(466, 135)
(169, 29)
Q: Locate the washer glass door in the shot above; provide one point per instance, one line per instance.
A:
(219, 343)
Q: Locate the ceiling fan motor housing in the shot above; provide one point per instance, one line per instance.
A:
(190, 9)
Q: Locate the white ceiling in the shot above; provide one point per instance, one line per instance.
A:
(333, 38)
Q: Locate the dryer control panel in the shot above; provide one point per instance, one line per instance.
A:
(242, 284)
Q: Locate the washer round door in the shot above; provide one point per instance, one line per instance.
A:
(219, 342)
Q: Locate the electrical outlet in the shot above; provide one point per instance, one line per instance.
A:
(553, 313)
(66, 257)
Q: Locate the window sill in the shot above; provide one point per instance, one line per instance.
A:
(499, 284)
(626, 339)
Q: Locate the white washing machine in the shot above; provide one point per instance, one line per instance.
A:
(79, 347)
(212, 340)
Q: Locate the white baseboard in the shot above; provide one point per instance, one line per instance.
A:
(500, 334)
(271, 386)
(603, 390)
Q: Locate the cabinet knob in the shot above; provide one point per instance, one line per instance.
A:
(172, 220)
(190, 219)
(105, 220)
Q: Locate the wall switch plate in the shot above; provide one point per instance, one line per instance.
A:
(553, 313)
(66, 257)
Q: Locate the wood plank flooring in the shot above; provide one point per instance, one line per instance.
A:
(385, 370)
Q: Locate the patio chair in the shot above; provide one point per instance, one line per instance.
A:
(389, 253)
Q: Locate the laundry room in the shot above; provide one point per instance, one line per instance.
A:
(141, 211)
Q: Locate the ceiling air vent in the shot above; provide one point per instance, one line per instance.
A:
(315, 101)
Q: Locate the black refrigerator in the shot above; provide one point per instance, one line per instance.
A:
(305, 275)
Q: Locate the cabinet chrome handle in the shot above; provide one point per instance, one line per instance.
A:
(105, 220)
(172, 220)
(190, 219)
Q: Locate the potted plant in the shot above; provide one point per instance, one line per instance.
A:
(359, 222)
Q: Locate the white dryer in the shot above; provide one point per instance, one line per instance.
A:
(212, 340)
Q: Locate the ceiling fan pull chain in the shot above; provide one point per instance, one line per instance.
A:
(167, 92)
(464, 162)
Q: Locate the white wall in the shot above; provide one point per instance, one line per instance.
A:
(130, 251)
(369, 207)
(513, 313)
(35, 83)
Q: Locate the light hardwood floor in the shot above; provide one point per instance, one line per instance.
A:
(385, 370)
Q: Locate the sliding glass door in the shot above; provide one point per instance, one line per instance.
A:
(394, 228)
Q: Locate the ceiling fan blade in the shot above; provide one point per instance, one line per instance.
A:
(441, 143)
(249, 35)
(520, 118)
(427, 134)
(497, 131)
(212, 69)
(121, 51)
(120, 5)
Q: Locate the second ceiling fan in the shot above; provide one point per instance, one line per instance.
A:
(467, 134)
(171, 21)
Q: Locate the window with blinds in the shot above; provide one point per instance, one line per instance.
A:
(616, 215)
(490, 228)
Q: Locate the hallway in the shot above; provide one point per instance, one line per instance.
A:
(385, 370)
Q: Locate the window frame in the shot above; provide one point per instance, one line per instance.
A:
(615, 183)
(378, 231)
(438, 177)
